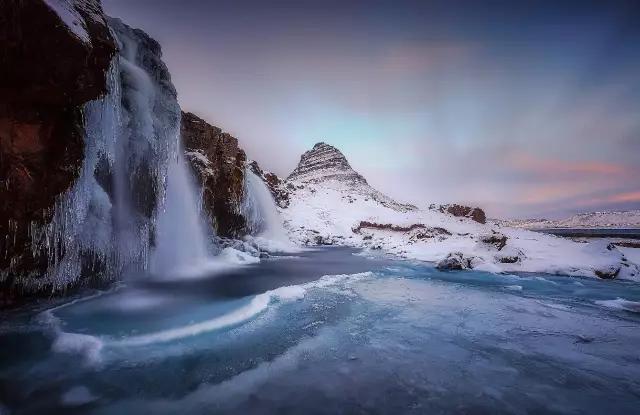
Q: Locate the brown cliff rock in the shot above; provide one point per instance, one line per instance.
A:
(218, 163)
(47, 72)
(474, 213)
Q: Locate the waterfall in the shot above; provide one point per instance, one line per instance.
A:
(181, 242)
(134, 205)
(263, 220)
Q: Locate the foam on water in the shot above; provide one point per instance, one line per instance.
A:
(90, 346)
(77, 396)
(256, 305)
(621, 304)
(233, 256)
(181, 239)
(82, 344)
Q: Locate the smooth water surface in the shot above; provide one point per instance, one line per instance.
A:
(330, 331)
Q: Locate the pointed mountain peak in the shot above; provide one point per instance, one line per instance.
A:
(324, 162)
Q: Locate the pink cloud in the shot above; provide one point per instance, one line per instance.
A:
(548, 166)
(625, 197)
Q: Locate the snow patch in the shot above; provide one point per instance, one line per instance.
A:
(70, 17)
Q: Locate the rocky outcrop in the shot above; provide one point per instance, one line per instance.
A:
(455, 261)
(608, 273)
(460, 211)
(218, 163)
(497, 239)
(509, 255)
(387, 226)
(279, 188)
(49, 70)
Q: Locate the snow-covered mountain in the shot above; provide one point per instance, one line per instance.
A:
(619, 219)
(330, 203)
(325, 164)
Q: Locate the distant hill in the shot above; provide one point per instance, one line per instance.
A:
(618, 219)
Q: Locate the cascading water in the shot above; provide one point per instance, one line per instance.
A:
(134, 180)
(181, 243)
(263, 220)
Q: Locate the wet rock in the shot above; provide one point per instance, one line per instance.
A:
(320, 240)
(455, 261)
(513, 257)
(218, 163)
(608, 273)
(614, 263)
(498, 240)
(509, 259)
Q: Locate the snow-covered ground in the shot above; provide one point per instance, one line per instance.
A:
(332, 204)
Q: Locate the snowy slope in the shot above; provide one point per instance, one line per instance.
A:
(622, 219)
(332, 204)
(67, 11)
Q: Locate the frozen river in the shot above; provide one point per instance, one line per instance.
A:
(330, 331)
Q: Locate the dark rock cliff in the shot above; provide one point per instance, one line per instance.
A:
(218, 163)
(47, 72)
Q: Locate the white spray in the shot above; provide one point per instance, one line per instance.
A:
(181, 242)
(263, 218)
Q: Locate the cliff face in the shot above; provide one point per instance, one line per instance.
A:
(218, 163)
(50, 68)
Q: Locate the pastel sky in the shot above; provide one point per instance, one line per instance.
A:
(526, 108)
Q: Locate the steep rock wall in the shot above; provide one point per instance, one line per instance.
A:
(218, 163)
(47, 73)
